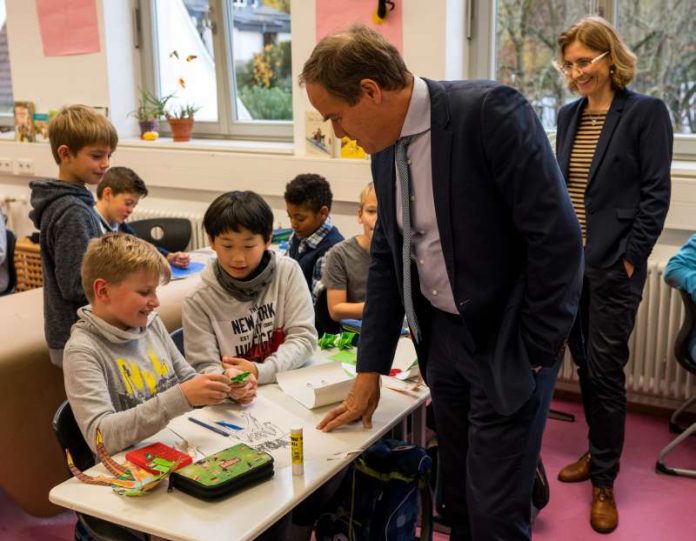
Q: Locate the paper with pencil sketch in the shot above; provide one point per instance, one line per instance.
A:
(318, 385)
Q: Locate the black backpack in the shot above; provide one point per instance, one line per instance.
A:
(380, 496)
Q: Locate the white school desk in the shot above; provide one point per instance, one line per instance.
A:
(245, 515)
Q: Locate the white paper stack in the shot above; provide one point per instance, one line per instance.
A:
(318, 385)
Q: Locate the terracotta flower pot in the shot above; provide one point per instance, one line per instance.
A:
(148, 125)
(181, 129)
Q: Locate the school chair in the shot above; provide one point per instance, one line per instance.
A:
(322, 318)
(172, 234)
(684, 358)
(178, 339)
(69, 437)
(9, 257)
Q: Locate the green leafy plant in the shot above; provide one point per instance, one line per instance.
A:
(267, 103)
(182, 111)
(150, 106)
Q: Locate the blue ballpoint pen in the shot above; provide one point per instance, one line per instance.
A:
(209, 427)
(229, 425)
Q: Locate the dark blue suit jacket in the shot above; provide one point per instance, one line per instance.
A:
(628, 189)
(510, 238)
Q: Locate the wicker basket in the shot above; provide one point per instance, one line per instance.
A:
(27, 258)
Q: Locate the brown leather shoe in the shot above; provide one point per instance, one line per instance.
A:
(577, 471)
(604, 516)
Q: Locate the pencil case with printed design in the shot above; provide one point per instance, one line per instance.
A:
(224, 472)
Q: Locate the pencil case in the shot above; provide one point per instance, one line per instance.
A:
(158, 458)
(224, 473)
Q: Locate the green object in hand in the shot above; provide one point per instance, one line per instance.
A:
(241, 377)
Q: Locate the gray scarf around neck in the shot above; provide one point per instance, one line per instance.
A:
(250, 288)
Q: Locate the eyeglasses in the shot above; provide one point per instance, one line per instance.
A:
(568, 68)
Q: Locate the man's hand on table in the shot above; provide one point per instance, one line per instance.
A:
(361, 401)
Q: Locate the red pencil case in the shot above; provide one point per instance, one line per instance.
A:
(158, 457)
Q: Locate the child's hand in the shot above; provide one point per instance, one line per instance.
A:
(179, 259)
(245, 391)
(241, 364)
(206, 389)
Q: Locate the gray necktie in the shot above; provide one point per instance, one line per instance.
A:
(404, 178)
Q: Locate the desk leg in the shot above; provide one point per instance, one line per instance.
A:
(418, 425)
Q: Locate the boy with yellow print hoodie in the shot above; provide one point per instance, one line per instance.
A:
(122, 372)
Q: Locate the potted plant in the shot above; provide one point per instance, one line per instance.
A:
(150, 109)
(181, 121)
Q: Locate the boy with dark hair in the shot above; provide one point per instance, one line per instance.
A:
(82, 142)
(117, 196)
(123, 373)
(252, 310)
(308, 201)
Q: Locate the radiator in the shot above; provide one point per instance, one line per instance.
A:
(653, 375)
(198, 236)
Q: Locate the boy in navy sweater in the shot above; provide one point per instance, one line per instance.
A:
(82, 142)
(118, 193)
(308, 201)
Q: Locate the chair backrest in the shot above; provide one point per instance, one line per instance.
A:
(322, 318)
(681, 344)
(9, 257)
(69, 437)
(172, 234)
(178, 339)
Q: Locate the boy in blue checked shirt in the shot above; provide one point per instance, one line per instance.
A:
(308, 201)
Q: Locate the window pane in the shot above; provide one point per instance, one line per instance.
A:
(261, 57)
(184, 53)
(5, 76)
(525, 45)
(662, 34)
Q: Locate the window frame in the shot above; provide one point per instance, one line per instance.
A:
(481, 60)
(227, 126)
(7, 119)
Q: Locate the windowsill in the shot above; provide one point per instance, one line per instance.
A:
(215, 145)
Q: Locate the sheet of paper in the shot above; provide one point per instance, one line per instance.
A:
(68, 27)
(318, 385)
(194, 267)
(263, 426)
(405, 365)
(332, 16)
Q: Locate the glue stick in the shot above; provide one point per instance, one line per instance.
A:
(297, 451)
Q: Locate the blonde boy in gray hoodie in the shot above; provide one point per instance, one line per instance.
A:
(122, 372)
(253, 310)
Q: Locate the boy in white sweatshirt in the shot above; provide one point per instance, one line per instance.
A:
(123, 374)
(253, 310)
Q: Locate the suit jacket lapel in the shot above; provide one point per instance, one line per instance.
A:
(612, 120)
(567, 144)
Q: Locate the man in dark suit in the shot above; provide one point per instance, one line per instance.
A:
(471, 198)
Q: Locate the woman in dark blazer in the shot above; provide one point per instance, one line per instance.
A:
(614, 147)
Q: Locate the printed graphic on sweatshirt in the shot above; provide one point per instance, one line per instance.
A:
(253, 336)
(142, 381)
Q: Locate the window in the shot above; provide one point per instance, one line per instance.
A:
(515, 42)
(663, 35)
(228, 59)
(6, 100)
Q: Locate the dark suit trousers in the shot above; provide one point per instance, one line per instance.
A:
(599, 345)
(488, 459)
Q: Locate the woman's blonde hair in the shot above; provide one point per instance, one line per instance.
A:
(598, 34)
(114, 256)
(366, 191)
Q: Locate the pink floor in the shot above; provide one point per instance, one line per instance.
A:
(652, 507)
